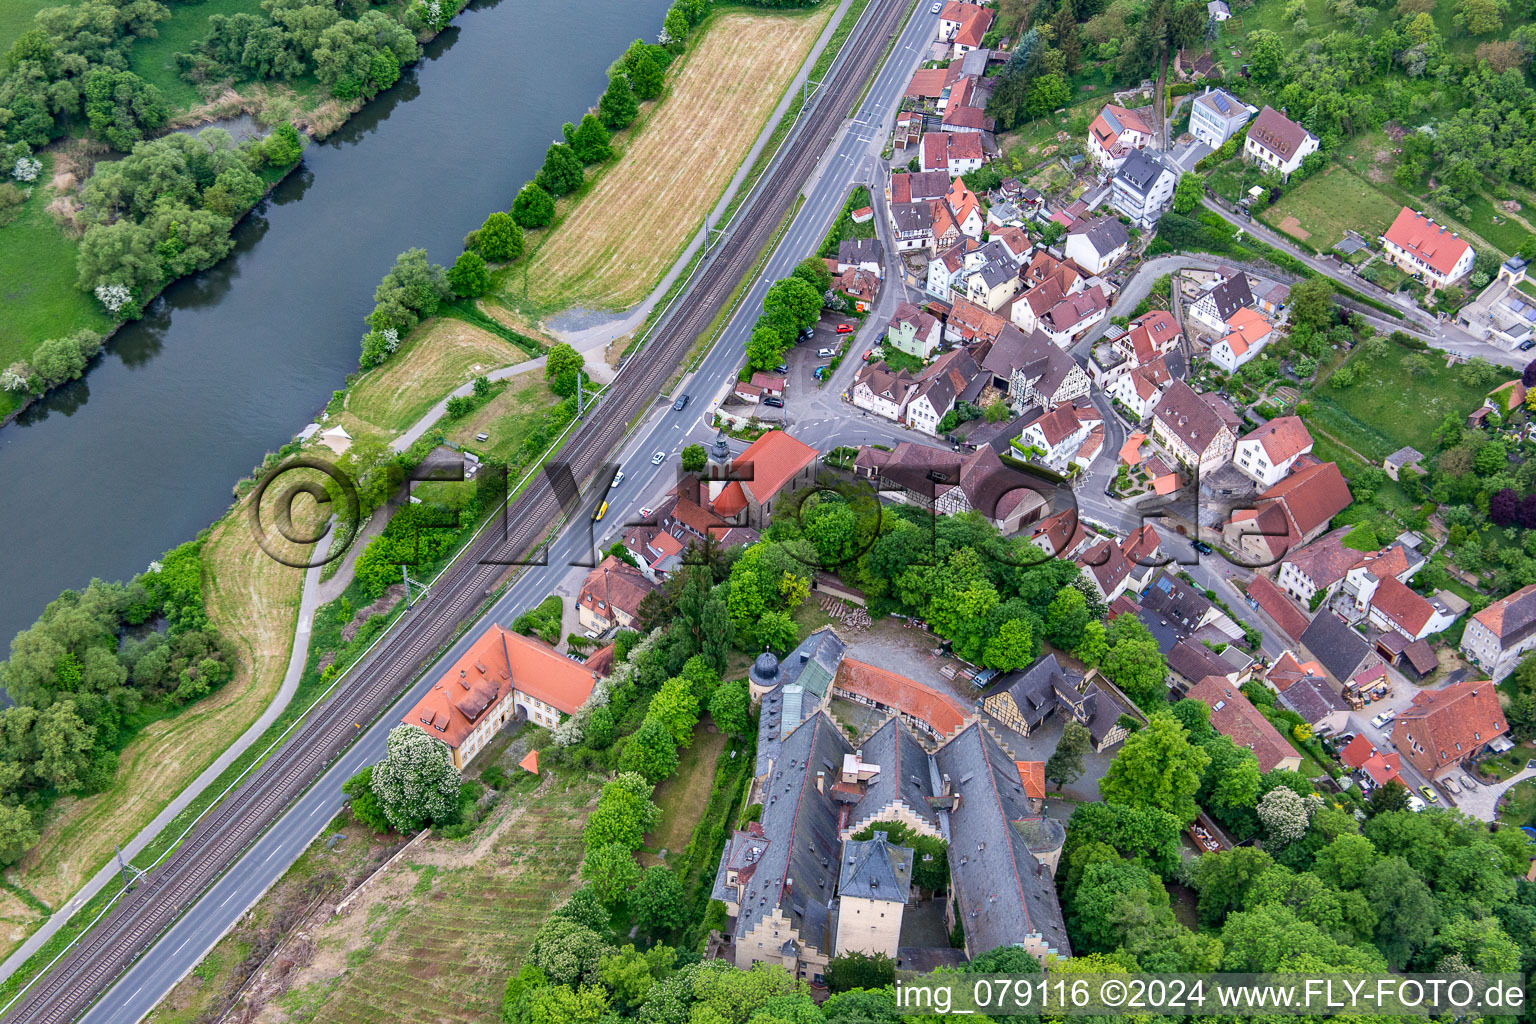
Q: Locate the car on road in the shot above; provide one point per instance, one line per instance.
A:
(1528, 344)
(1415, 804)
(777, 403)
(1202, 547)
(845, 328)
(618, 478)
(646, 513)
(1429, 794)
(599, 512)
(935, 9)
(682, 400)
(658, 458)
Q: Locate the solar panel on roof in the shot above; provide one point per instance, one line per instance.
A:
(1220, 100)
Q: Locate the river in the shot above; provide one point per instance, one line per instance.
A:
(141, 453)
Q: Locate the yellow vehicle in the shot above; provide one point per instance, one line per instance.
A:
(602, 510)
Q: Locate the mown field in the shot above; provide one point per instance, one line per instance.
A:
(1320, 209)
(508, 418)
(1370, 416)
(619, 237)
(16, 18)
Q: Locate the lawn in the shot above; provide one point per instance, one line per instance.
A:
(16, 17)
(683, 796)
(508, 418)
(37, 283)
(1520, 805)
(1319, 210)
(436, 358)
(153, 59)
(618, 238)
(1370, 416)
(254, 601)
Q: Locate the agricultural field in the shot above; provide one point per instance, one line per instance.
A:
(1368, 416)
(254, 601)
(1319, 210)
(436, 358)
(619, 236)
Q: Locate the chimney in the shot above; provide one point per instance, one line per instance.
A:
(821, 782)
(947, 789)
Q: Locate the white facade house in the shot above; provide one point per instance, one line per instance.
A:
(1059, 434)
(1247, 334)
(1216, 115)
(1278, 143)
(1427, 250)
(1097, 244)
(878, 390)
(1267, 454)
(1143, 187)
(1500, 635)
(1114, 134)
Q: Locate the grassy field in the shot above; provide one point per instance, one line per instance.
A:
(431, 362)
(151, 59)
(254, 601)
(16, 17)
(508, 418)
(622, 234)
(682, 797)
(434, 939)
(1369, 416)
(1318, 211)
(1521, 806)
(37, 283)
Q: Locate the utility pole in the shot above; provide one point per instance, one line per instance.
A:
(405, 574)
(125, 868)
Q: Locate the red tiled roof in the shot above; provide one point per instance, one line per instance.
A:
(1232, 714)
(1032, 777)
(1281, 438)
(942, 713)
(1441, 727)
(1430, 242)
(1287, 616)
(613, 584)
(1313, 496)
(731, 500)
(928, 83)
(1501, 621)
(530, 763)
(1245, 329)
(1277, 133)
(770, 462)
(1400, 604)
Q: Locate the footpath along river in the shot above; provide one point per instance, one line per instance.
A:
(140, 454)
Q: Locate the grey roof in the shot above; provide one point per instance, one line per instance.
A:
(1176, 602)
(904, 776)
(1194, 661)
(814, 662)
(804, 676)
(1313, 699)
(928, 184)
(1403, 456)
(912, 216)
(1099, 711)
(1034, 689)
(765, 670)
(1004, 894)
(1232, 294)
(798, 870)
(1105, 234)
(1032, 354)
(859, 250)
(1335, 645)
(996, 272)
(1140, 170)
(876, 869)
(974, 62)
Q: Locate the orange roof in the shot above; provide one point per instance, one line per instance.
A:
(530, 763)
(1291, 619)
(1443, 726)
(768, 464)
(498, 662)
(1430, 242)
(731, 500)
(1407, 609)
(942, 713)
(1032, 775)
(1282, 438)
(1130, 452)
(1245, 329)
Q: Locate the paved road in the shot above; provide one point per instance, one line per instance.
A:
(178, 951)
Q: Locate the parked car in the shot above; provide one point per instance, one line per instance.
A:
(646, 513)
(781, 369)
(682, 400)
(1450, 785)
(1467, 783)
(1415, 804)
(826, 353)
(1204, 548)
(658, 458)
(807, 333)
(845, 328)
(1380, 720)
(776, 403)
(1429, 794)
(1342, 740)
(1528, 344)
(821, 371)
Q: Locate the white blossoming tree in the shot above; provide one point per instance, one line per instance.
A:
(14, 377)
(1286, 815)
(416, 783)
(27, 169)
(113, 296)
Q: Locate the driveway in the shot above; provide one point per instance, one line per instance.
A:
(1483, 801)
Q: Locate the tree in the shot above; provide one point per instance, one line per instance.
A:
(1312, 303)
(366, 808)
(119, 253)
(467, 276)
(1188, 193)
(1066, 762)
(590, 141)
(500, 239)
(730, 707)
(618, 107)
(814, 272)
(694, 458)
(676, 707)
(855, 970)
(1157, 767)
(651, 751)
(1094, 646)
(1223, 879)
(1285, 815)
(1232, 779)
(1066, 619)
(765, 348)
(777, 631)
(561, 173)
(611, 872)
(18, 833)
(561, 366)
(416, 783)
(1480, 17)
(646, 69)
(660, 905)
(533, 207)
(793, 300)
(1134, 663)
(624, 813)
(566, 951)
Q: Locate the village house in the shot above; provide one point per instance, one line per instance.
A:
(968, 324)
(1035, 371)
(1428, 251)
(1266, 454)
(1497, 637)
(772, 464)
(913, 331)
(1247, 334)
(964, 25)
(1098, 243)
(1277, 143)
(1058, 434)
(1218, 11)
(1216, 115)
(1142, 188)
(1114, 134)
(1061, 535)
(611, 595)
(912, 226)
(1375, 767)
(1334, 644)
(1190, 661)
(994, 282)
(1146, 340)
(860, 254)
(1021, 700)
(1290, 514)
(1325, 563)
(952, 484)
(878, 390)
(858, 285)
(1233, 715)
(1188, 426)
(1392, 605)
(1113, 568)
(954, 153)
(953, 377)
(1443, 728)
(1140, 390)
(947, 270)
(1229, 293)
(503, 677)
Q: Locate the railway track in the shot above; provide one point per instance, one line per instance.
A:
(76, 982)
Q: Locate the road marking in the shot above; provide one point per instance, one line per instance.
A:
(228, 898)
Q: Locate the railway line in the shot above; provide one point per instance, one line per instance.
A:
(77, 981)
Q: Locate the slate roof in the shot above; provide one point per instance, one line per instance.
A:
(1313, 699)
(1232, 295)
(1511, 618)
(1335, 645)
(1140, 171)
(876, 869)
(1194, 661)
(1105, 234)
(860, 250)
(1188, 416)
(1325, 560)
(1034, 689)
(1182, 605)
(903, 777)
